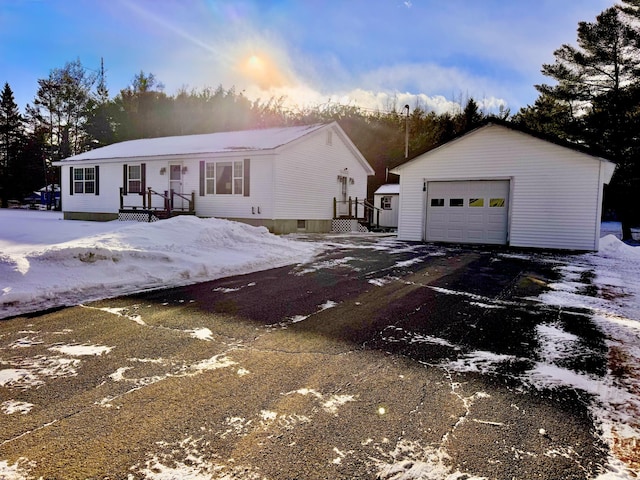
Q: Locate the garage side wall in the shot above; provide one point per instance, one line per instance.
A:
(555, 191)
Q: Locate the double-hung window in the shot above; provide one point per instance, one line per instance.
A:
(224, 178)
(84, 180)
(385, 202)
(134, 179)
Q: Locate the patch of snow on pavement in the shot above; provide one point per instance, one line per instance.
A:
(607, 284)
(81, 350)
(201, 334)
(329, 405)
(17, 471)
(411, 461)
(10, 407)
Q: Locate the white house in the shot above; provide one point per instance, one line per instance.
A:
(499, 185)
(386, 200)
(283, 178)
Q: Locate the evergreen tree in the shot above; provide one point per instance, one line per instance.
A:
(61, 106)
(595, 101)
(11, 138)
(99, 125)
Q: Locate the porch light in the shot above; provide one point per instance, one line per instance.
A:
(184, 169)
(163, 170)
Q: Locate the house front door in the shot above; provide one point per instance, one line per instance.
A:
(175, 184)
(343, 193)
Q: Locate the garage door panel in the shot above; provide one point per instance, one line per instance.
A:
(468, 211)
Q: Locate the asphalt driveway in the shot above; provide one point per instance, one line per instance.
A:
(366, 363)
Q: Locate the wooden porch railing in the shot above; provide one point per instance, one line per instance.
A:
(168, 204)
(368, 210)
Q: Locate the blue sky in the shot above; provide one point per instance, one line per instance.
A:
(371, 53)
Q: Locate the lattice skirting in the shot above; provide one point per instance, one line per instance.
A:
(137, 216)
(347, 225)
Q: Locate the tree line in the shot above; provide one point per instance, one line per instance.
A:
(73, 112)
(593, 102)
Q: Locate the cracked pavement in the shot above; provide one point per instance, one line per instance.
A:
(346, 367)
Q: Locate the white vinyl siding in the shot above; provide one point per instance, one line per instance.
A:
(306, 177)
(555, 191)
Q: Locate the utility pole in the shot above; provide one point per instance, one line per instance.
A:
(406, 133)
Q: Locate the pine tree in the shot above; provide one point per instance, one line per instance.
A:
(597, 84)
(11, 138)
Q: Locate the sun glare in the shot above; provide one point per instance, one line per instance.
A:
(263, 71)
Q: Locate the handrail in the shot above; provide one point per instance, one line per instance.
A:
(167, 197)
(368, 209)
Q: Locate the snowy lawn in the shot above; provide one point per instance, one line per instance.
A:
(47, 262)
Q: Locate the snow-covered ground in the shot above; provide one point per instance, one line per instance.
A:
(47, 262)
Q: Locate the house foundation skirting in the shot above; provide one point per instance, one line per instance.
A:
(347, 225)
(90, 216)
(137, 216)
(285, 226)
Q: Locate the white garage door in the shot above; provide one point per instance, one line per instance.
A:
(468, 212)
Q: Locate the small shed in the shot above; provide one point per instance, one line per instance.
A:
(386, 199)
(287, 179)
(500, 185)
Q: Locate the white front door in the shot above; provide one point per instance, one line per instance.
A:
(468, 211)
(175, 183)
(343, 193)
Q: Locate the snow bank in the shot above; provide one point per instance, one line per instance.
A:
(90, 260)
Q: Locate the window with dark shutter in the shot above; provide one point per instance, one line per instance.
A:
(247, 167)
(71, 180)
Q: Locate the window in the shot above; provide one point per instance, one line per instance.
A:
(476, 202)
(210, 178)
(84, 180)
(224, 178)
(496, 202)
(135, 179)
(456, 202)
(237, 178)
(437, 202)
(385, 203)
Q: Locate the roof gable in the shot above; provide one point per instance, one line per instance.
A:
(610, 166)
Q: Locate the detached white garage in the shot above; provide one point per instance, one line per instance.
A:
(498, 185)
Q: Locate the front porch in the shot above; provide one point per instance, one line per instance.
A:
(167, 205)
(354, 215)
